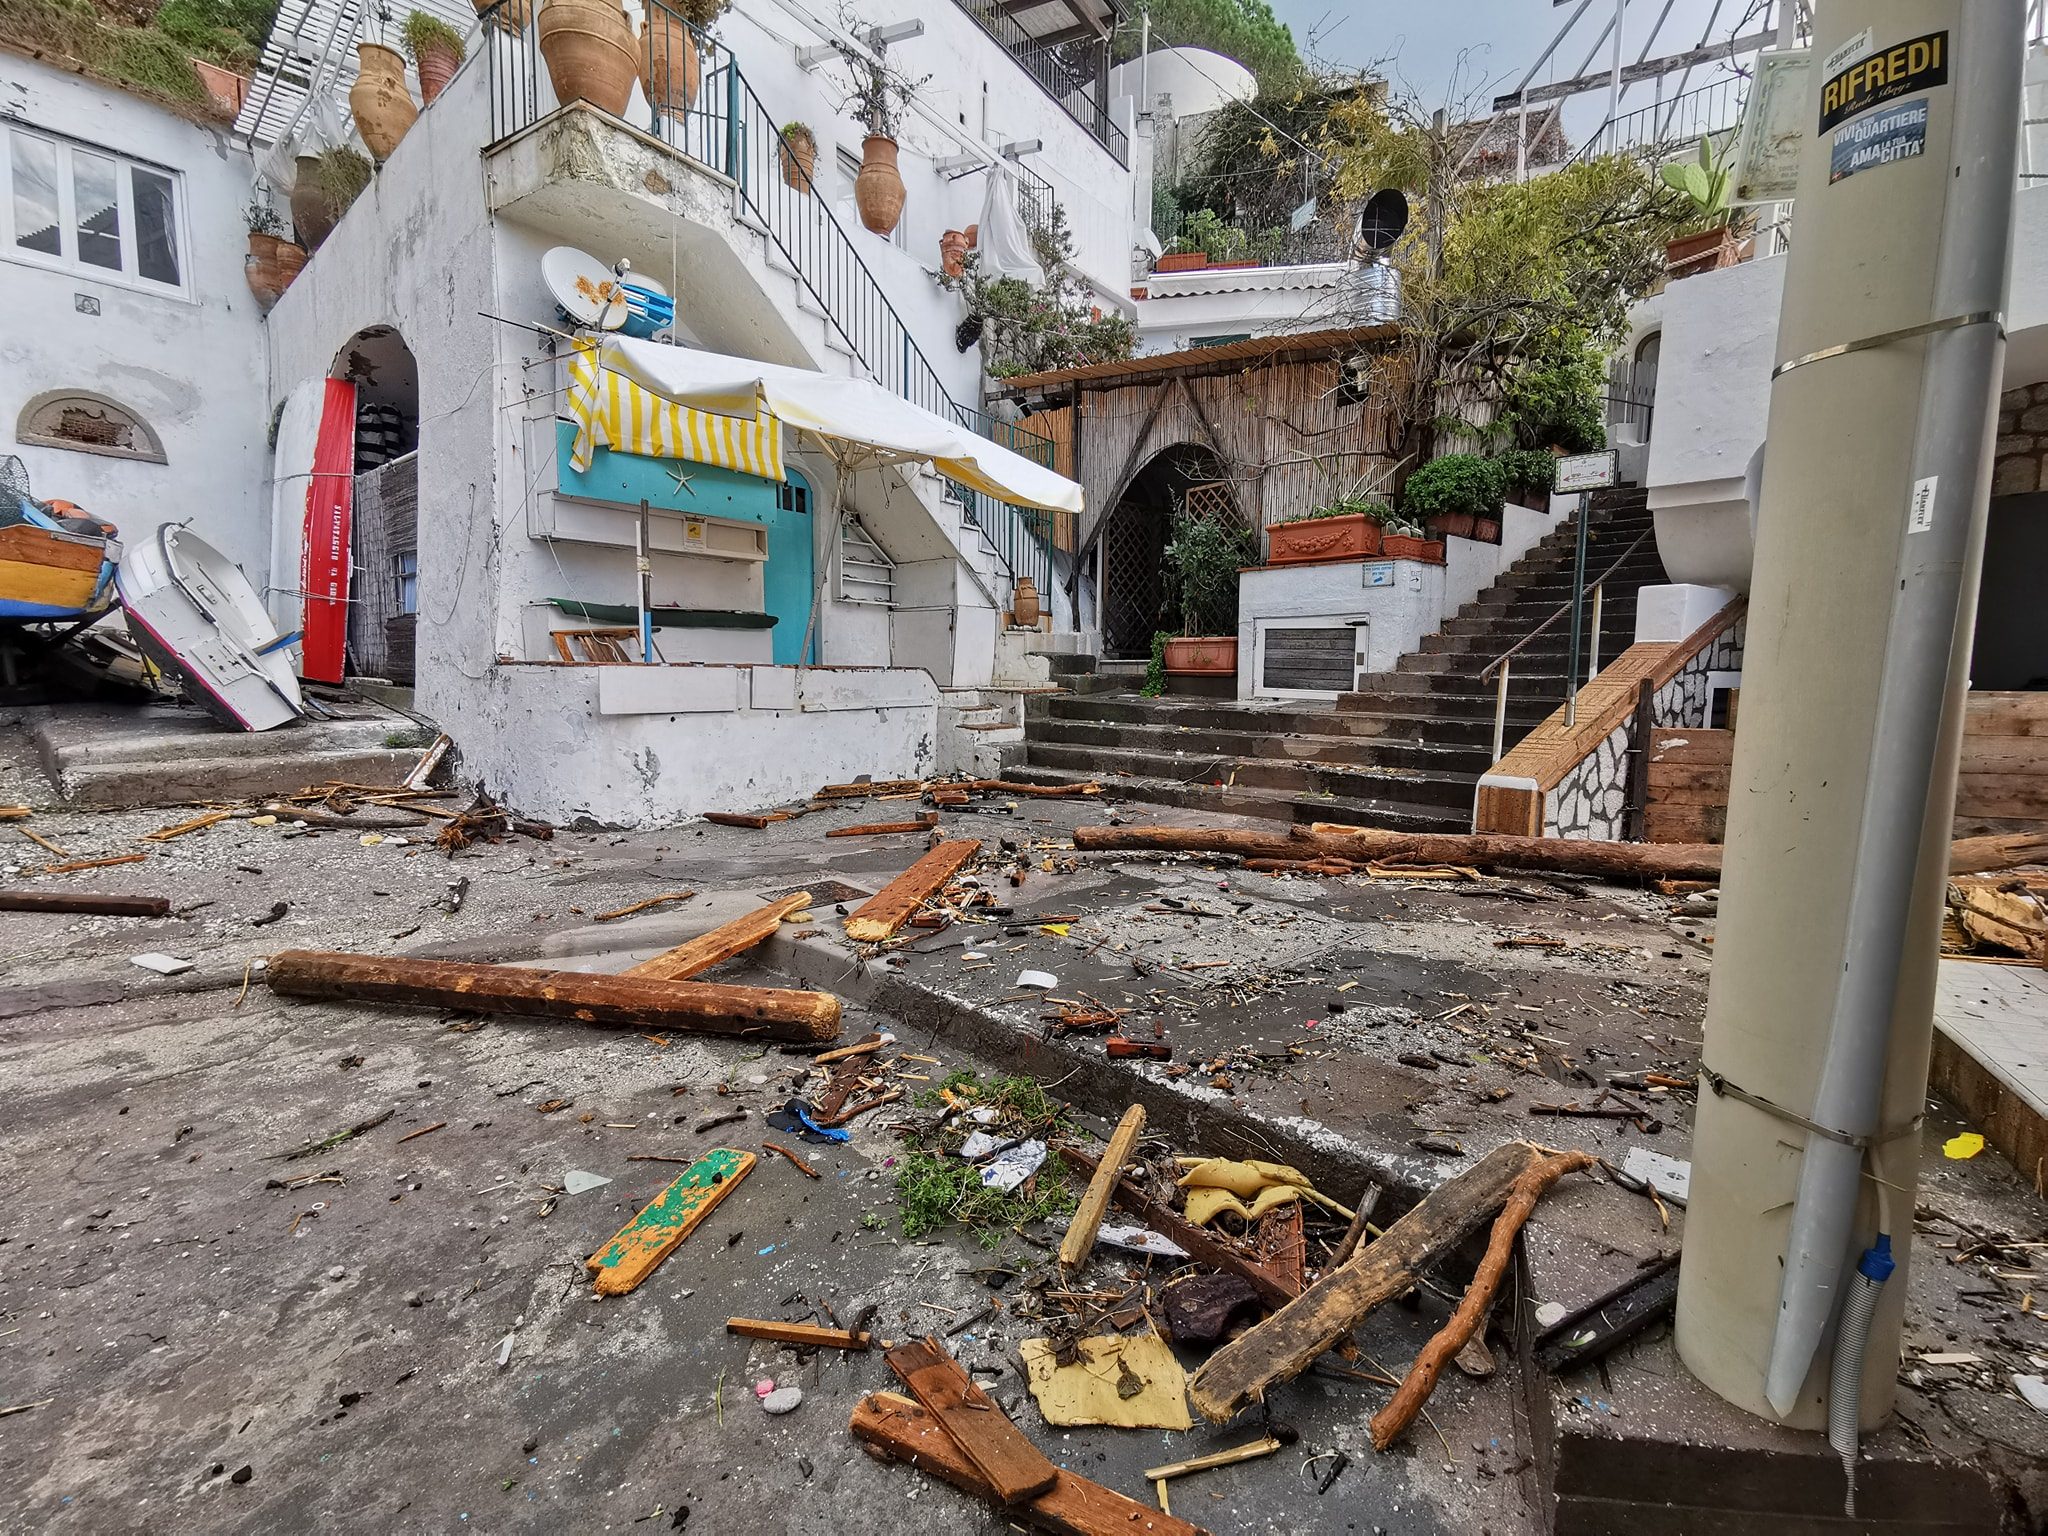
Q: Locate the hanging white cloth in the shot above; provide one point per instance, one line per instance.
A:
(1005, 244)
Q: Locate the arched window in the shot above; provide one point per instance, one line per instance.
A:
(85, 422)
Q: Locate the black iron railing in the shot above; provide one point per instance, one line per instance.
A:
(701, 106)
(1073, 73)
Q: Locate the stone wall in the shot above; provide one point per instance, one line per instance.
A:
(2020, 462)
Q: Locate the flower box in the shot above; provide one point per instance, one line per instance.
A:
(1202, 655)
(1181, 261)
(1232, 266)
(1689, 255)
(1399, 546)
(1351, 537)
(1452, 525)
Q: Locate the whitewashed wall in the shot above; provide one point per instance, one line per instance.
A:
(192, 368)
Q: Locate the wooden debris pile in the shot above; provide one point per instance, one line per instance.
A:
(1998, 916)
(940, 794)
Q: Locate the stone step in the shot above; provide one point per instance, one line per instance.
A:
(1356, 751)
(1525, 708)
(1405, 787)
(1265, 804)
(180, 780)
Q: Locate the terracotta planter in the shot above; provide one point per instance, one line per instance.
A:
(225, 90)
(800, 161)
(314, 212)
(878, 190)
(1400, 546)
(1181, 261)
(1689, 255)
(973, 234)
(669, 70)
(1486, 529)
(266, 278)
(1231, 266)
(291, 261)
(1452, 525)
(588, 45)
(379, 101)
(1024, 603)
(1311, 539)
(953, 252)
(1202, 656)
(512, 15)
(437, 65)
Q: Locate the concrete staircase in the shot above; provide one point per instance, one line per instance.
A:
(1404, 752)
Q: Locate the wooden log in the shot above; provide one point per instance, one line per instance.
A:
(743, 819)
(1975, 855)
(1012, 1466)
(863, 791)
(804, 1335)
(721, 943)
(1080, 1239)
(1529, 1187)
(922, 824)
(86, 903)
(641, 906)
(900, 1430)
(1281, 1347)
(626, 1002)
(892, 906)
(1041, 791)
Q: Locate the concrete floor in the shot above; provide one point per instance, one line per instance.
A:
(183, 1319)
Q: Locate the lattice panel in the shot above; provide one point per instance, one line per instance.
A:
(1133, 579)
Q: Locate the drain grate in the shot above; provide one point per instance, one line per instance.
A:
(822, 890)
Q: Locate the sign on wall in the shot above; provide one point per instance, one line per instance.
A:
(1587, 471)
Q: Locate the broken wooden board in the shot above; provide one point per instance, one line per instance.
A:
(721, 943)
(924, 823)
(1012, 1466)
(863, 790)
(2008, 914)
(802, 1335)
(626, 1002)
(892, 906)
(1282, 1347)
(642, 1243)
(898, 1429)
(84, 902)
(1091, 1390)
(1080, 1239)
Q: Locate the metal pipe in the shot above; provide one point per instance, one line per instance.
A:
(1571, 670)
(1500, 709)
(1593, 661)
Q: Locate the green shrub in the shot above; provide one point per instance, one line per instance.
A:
(1455, 485)
(1155, 669)
(1556, 403)
(1202, 564)
(1528, 470)
(423, 33)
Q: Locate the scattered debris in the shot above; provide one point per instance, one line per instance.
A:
(196, 824)
(642, 906)
(1251, 1450)
(893, 905)
(1079, 1242)
(1200, 1308)
(796, 1162)
(721, 943)
(1670, 1177)
(1568, 1339)
(86, 903)
(425, 1130)
(1127, 1381)
(72, 866)
(361, 1127)
(1014, 1467)
(639, 1246)
(1966, 1144)
(576, 1182)
(803, 1335)
(924, 823)
(1038, 981)
(782, 1400)
(1006, 1171)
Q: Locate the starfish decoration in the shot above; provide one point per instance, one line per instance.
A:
(682, 479)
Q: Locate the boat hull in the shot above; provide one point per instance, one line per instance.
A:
(48, 575)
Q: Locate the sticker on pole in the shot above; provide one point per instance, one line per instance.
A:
(1884, 137)
(1920, 516)
(1918, 64)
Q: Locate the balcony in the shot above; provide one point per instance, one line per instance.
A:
(1064, 46)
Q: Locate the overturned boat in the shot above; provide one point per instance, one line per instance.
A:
(56, 563)
(194, 613)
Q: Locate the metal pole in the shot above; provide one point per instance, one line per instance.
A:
(1870, 539)
(644, 568)
(1593, 648)
(1614, 75)
(1500, 710)
(1571, 670)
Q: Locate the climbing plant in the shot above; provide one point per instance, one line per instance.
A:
(1024, 328)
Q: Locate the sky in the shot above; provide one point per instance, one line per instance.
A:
(1450, 49)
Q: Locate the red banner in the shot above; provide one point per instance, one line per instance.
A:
(323, 558)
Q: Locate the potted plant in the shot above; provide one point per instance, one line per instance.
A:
(953, 253)
(506, 15)
(1346, 529)
(1452, 493)
(436, 50)
(799, 155)
(379, 100)
(1403, 540)
(1204, 241)
(1527, 474)
(588, 46)
(876, 97)
(1704, 183)
(1202, 563)
(326, 184)
(669, 67)
(266, 280)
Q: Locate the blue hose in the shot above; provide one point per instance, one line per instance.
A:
(1845, 1378)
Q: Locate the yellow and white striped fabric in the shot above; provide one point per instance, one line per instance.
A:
(612, 411)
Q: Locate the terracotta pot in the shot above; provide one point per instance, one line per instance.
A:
(1400, 546)
(291, 261)
(953, 252)
(512, 16)
(314, 212)
(878, 190)
(437, 65)
(1689, 255)
(1024, 603)
(1203, 655)
(1312, 539)
(668, 64)
(588, 45)
(800, 161)
(379, 101)
(1180, 261)
(1452, 525)
(225, 90)
(260, 267)
(1486, 529)
(973, 234)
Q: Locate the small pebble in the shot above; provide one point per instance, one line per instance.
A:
(337, 1273)
(763, 1387)
(783, 1399)
(241, 1474)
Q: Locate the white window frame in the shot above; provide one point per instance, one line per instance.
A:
(67, 262)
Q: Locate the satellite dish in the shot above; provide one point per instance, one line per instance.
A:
(1151, 243)
(587, 290)
(1383, 220)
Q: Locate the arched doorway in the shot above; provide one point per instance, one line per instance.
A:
(1136, 600)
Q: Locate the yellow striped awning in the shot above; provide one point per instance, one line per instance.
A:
(612, 411)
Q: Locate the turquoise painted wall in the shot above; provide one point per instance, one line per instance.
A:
(706, 490)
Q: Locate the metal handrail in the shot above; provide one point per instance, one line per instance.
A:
(1051, 66)
(1503, 662)
(725, 127)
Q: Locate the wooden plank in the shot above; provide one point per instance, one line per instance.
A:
(720, 944)
(897, 902)
(1679, 744)
(901, 1430)
(1669, 775)
(626, 1002)
(72, 866)
(2006, 714)
(84, 902)
(642, 1243)
(2002, 794)
(1685, 823)
(1013, 1467)
(2004, 754)
(1281, 1347)
(923, 823)
(1502, 808)
(1689, 794)
(803, 1335)
(1080, 1239)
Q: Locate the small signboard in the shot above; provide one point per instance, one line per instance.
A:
(1587, 471)
(1378, 573)
(1881, 137)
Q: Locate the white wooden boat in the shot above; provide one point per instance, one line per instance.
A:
(194, 613)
